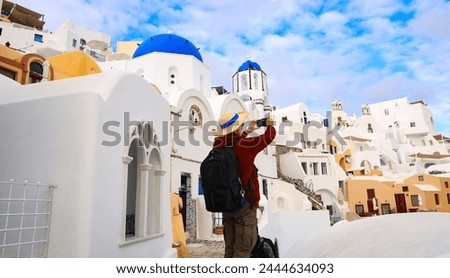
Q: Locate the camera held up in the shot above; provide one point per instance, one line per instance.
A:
(261, 122)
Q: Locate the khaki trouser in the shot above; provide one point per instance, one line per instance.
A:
(240, 232)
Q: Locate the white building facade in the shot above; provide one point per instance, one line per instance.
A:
(100, 146)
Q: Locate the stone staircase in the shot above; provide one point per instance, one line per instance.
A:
(307, 189)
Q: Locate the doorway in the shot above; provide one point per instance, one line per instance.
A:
(188, 211)
(183, 192)
(400, 202)
(371, 201)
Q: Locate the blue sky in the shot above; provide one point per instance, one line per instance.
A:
(312, 51)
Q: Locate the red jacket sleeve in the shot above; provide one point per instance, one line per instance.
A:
(259, 143)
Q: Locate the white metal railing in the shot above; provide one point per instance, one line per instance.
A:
(25, 213)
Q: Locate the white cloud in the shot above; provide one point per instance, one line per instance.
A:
(312, 51)
(441, 110)
(368, 9)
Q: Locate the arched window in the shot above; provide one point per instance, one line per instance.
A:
(36, 72)
(143, 182)
(132, 189)
(146, 134)
(154, 225)
(195, 116)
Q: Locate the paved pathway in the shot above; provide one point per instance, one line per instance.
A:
(206, 249)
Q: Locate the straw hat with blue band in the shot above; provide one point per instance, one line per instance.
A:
(229, 122)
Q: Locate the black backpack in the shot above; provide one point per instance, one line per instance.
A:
(265, 248)
(221, 184)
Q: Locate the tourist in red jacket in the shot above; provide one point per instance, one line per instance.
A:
(241, 226)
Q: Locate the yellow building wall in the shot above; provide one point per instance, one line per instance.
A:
(441, 183)
(386, 191)
(445, 190)
(357, 194)
(376, 172)
(73, 64)
(128, 47)
(340, 159)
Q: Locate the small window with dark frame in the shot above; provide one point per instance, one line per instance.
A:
(448, 198)
(265, 188)
(324, 168)
(38, 38)
(8, 73)
(385, 209)
(315, 168)
(415, 201)
(359, 209)
(420, 178)
(446, 184)
(305, 167)
(405, 188)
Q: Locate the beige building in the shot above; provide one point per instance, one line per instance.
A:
(435, 192)
(128, 47)
(23, 68)
(32, 68)
(378, 195)
(344, 158)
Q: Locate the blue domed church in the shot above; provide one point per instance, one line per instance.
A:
(172, 63)
(167, 43)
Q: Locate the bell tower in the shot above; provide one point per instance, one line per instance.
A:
(250, 82)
